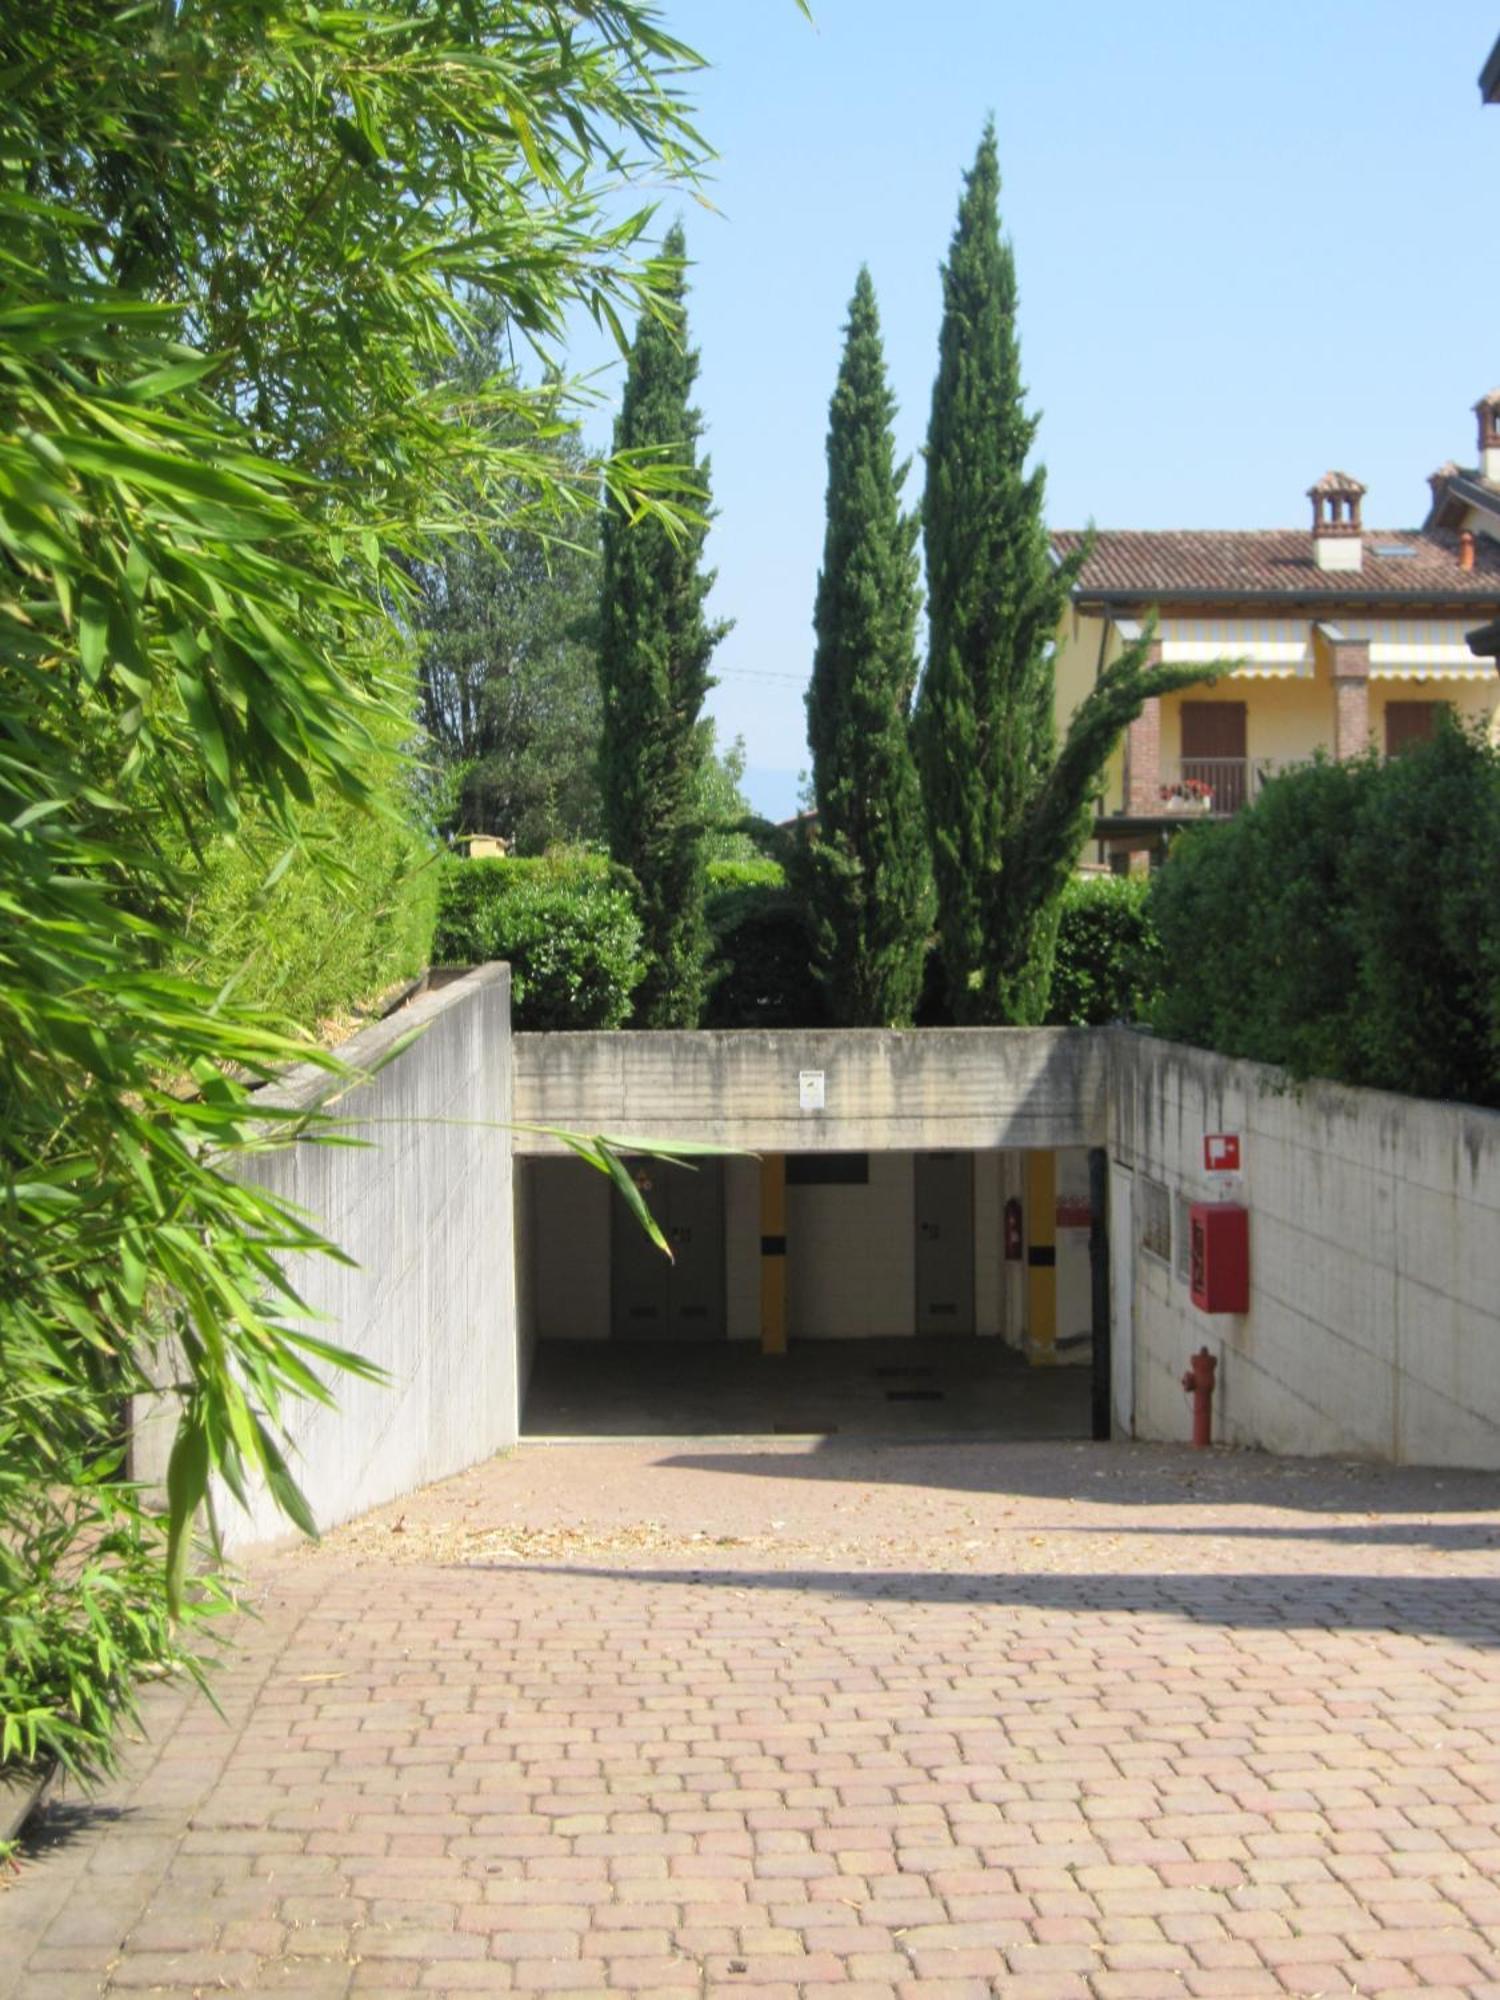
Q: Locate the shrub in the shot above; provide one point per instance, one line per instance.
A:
(567, 924)
(206, 557)
(1108, 965)
(84, 1615)
(348, 919)
(1346, 926)
(725, 877)
(761, 952)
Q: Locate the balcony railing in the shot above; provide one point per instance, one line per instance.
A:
(1216, 787)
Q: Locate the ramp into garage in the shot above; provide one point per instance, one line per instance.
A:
(926, 1387)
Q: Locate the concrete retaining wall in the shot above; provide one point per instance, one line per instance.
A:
(424, 1209)
(1374, 1321)
(884, 1090)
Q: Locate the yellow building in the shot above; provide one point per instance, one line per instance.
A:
(1347, 637)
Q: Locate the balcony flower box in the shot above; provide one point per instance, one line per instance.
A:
(1188, 795)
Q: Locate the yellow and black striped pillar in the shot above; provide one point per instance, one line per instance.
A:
(773, 1253)
(1041, 1257)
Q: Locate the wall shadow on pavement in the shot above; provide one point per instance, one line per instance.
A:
(1453, 1537)
(1464, 1609)
(1118, 1475)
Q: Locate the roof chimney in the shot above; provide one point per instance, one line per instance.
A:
(1337, 536)
(1487, 409)
(1466, 548)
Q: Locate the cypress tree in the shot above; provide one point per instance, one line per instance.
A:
(654, 648)
(1007, 811)
(869, 875)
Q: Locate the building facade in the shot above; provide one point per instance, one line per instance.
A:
(1345, 639)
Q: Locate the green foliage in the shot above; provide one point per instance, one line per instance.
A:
(762, 951)
(1007, 811)
(654, 648)
(506, 630)
(350, 917)
(83, 1610)
(1108, 965)
(1346, 926)
(726, 811)
(869, 877)
(567, 925)
(729, 875)
(239, 246)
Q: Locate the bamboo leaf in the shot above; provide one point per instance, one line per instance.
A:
(187, 1481)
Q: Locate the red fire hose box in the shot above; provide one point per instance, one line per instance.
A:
(1219, 1262)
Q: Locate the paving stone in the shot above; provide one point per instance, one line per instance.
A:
(1061, 1723)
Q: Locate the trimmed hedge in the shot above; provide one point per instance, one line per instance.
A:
(1109, 964)
(1347, 924)
(344, 922)
(567, 924)
(761, 960)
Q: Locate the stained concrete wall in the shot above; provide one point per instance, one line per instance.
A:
(424, 1209)
(885, 1090)
(1374, 1321)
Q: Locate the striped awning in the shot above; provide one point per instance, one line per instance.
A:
(1419, 649)
(1270, 648)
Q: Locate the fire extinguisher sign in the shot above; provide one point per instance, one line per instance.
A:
(1221, 1152)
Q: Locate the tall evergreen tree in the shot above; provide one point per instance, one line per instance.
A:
(1007, 811)
(870, 878)
(654, 648)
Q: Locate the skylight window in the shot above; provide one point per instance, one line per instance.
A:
(1389, 549)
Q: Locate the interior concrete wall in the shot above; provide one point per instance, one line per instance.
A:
(1075, 1298)
(742, 1248)
(884, 1090)
(851, 1256)
(1012, 1323)
(850, 1251)
(1374, 1321)
(989, 1247)
(569, 1209)
(523, 1193)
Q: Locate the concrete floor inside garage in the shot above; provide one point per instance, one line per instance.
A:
(926, 1388)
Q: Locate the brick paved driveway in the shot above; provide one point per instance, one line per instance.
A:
(852, 1722)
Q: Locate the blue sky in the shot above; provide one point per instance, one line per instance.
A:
(1252, 243)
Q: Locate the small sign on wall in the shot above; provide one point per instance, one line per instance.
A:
(810, 1089)
(1221, 1152)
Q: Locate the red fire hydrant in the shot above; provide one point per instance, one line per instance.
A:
(1199, 1383)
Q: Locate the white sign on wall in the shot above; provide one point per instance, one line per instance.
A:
(810, 1094)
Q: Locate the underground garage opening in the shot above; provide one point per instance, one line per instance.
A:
(924, 1294)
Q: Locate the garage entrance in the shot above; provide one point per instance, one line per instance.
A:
(884, 1293)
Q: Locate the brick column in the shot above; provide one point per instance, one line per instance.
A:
(1143, 760)
(1351, 696)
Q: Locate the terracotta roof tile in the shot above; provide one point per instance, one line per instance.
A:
(1199, 563)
